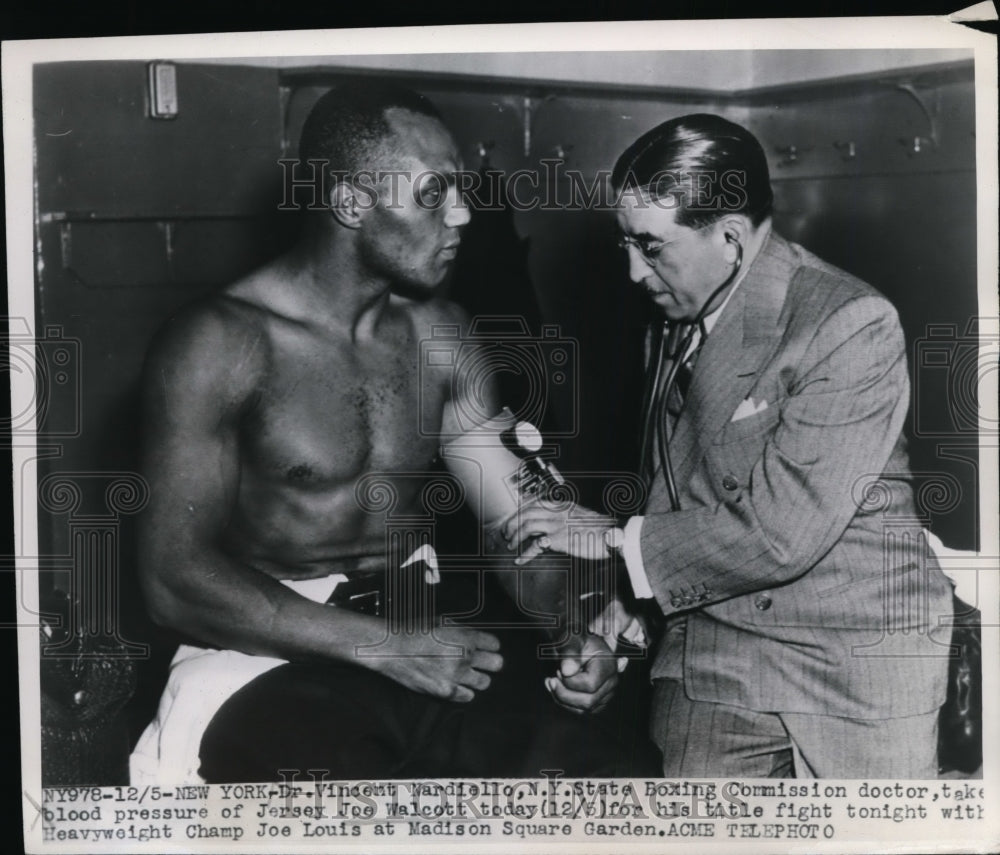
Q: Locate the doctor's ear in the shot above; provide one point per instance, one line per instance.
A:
(346, 206)
(733, 248)
(734, 233)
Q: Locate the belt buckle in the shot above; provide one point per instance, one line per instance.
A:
(363, 593)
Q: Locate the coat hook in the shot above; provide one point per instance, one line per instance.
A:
(66, 243)
(483, 149)
(915, 145)
(848, 150)
(562, 151)
(920, 142)
(529, 105)
(791, 153)
(168, 227)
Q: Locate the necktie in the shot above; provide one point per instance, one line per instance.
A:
(655, 375)
(678, 392)
(661, 402)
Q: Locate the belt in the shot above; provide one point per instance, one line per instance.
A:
(405, 592)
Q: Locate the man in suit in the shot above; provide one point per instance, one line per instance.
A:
(780, 537)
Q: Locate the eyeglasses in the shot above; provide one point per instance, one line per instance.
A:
(650, 249)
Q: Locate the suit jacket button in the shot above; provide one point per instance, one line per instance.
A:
(762, 602)
(730, 482)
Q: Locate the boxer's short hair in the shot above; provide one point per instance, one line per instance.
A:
(347, 127)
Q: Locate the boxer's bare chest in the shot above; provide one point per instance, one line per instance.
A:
(329, 409)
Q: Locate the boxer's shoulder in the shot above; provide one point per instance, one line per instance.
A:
(215, 347)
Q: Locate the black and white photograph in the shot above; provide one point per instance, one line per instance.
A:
(480, 438)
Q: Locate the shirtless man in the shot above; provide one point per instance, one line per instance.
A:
(263, 408)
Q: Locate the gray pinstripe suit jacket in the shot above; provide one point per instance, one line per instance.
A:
(796, 553)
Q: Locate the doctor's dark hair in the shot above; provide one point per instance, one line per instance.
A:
(347, 127)
(705, 166)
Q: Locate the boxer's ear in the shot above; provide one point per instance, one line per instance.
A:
(345, 205)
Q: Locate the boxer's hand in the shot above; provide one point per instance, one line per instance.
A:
(453, 663)
(573, 530)
(587, 677)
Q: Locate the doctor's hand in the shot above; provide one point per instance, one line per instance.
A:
(542, 526)
(587, 676)
(616, 623)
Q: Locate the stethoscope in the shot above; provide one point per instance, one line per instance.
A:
(657, 419)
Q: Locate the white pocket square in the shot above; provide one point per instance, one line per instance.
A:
(748, 408)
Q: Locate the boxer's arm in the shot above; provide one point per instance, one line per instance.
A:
(541, 586)
(588, 670)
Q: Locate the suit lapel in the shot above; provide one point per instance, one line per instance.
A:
(745, 335)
